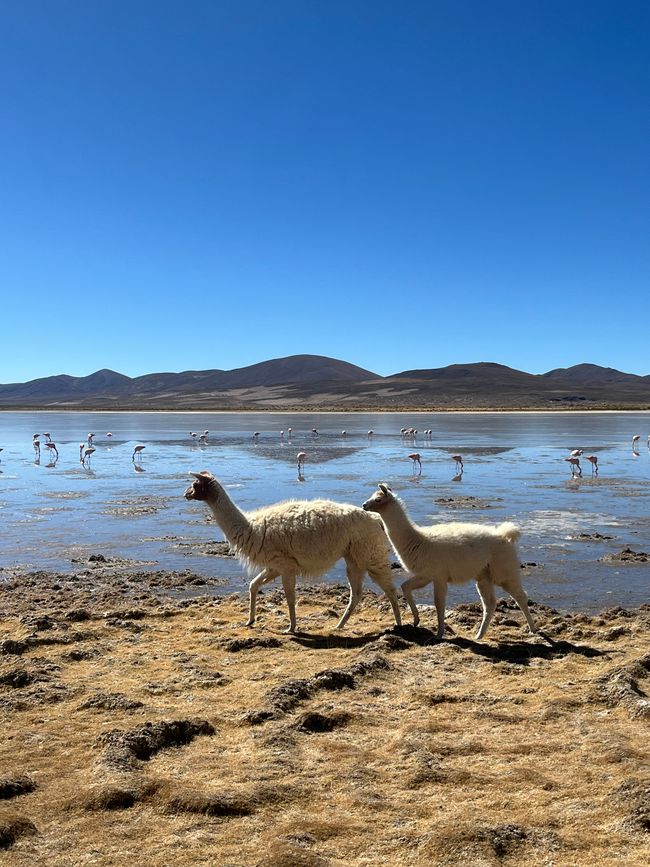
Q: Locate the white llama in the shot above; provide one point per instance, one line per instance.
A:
(452, 554)
(301, 537)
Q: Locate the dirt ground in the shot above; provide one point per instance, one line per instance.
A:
(145, 728)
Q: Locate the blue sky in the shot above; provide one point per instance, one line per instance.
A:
(192, 185)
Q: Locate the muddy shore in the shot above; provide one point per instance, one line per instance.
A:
(145, 724)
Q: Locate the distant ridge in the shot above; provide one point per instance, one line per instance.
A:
(317, 382)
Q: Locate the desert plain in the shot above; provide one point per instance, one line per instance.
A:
(144, 724)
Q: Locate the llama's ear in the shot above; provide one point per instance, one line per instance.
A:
(204, 474)
(384, 488)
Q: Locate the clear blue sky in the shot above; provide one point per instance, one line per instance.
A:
(212, 183)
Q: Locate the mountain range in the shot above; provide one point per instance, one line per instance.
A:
(315, 382)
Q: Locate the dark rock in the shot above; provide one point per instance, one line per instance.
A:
(238, 644)
(313, 721)
(211, 805)
(17, 678)
(123, 748)
(13, 827)
(12, 787)
(110, 701)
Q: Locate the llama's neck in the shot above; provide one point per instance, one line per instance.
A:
(233, 522)
(402, 532)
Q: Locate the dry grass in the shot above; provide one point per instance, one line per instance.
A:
(171, 737)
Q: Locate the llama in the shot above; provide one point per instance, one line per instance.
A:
(452, 554)
(301, 537)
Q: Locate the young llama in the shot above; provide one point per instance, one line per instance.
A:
(452, 554)
(301, 537)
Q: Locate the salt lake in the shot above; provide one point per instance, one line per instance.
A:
(57, 513)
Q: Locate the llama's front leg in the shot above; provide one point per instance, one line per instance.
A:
(289, 587)
(486, 591)
(264, 577)
(439, 599)
(408, 586)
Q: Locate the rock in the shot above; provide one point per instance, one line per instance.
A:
(13, 786)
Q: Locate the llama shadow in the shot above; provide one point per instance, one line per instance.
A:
(400, 637)
(522, 652)
(519, 652)
(318, 641)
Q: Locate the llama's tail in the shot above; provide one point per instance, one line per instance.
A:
(509, 531)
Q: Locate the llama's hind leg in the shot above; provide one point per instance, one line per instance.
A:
(485, 587)
(264, 577)
(408, 586)
(289, 587)
(386, 583)
(520, 596)
(355, 580)
(439, 598)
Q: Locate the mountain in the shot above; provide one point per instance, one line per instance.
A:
(592, 374)
(318, 382)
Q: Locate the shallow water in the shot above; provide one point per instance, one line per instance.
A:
(56, 512)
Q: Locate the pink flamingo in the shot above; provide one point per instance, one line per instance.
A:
(593, 460)
(575, 465)
(415, 457)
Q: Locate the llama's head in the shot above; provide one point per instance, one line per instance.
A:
(380, 499)
(202, 487)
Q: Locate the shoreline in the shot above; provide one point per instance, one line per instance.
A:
(339, 411)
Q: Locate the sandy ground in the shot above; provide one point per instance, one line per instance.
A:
(143, 728)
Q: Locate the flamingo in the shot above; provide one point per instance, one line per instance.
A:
(635, 441)
(301, 457)
(576, 453)
(137, 451)
(314, 430)
(193, 434)
(593, 460)
(575, 465)
(53, 449)
(86, 455)
(370, 433)
(459, 462)
(36, 443)
(48, 435)
(344, 433)
(81, 449)
(109, 434)
(206, 433)
(415, 457)
(281, 434)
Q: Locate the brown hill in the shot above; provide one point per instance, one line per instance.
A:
(318, 382)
